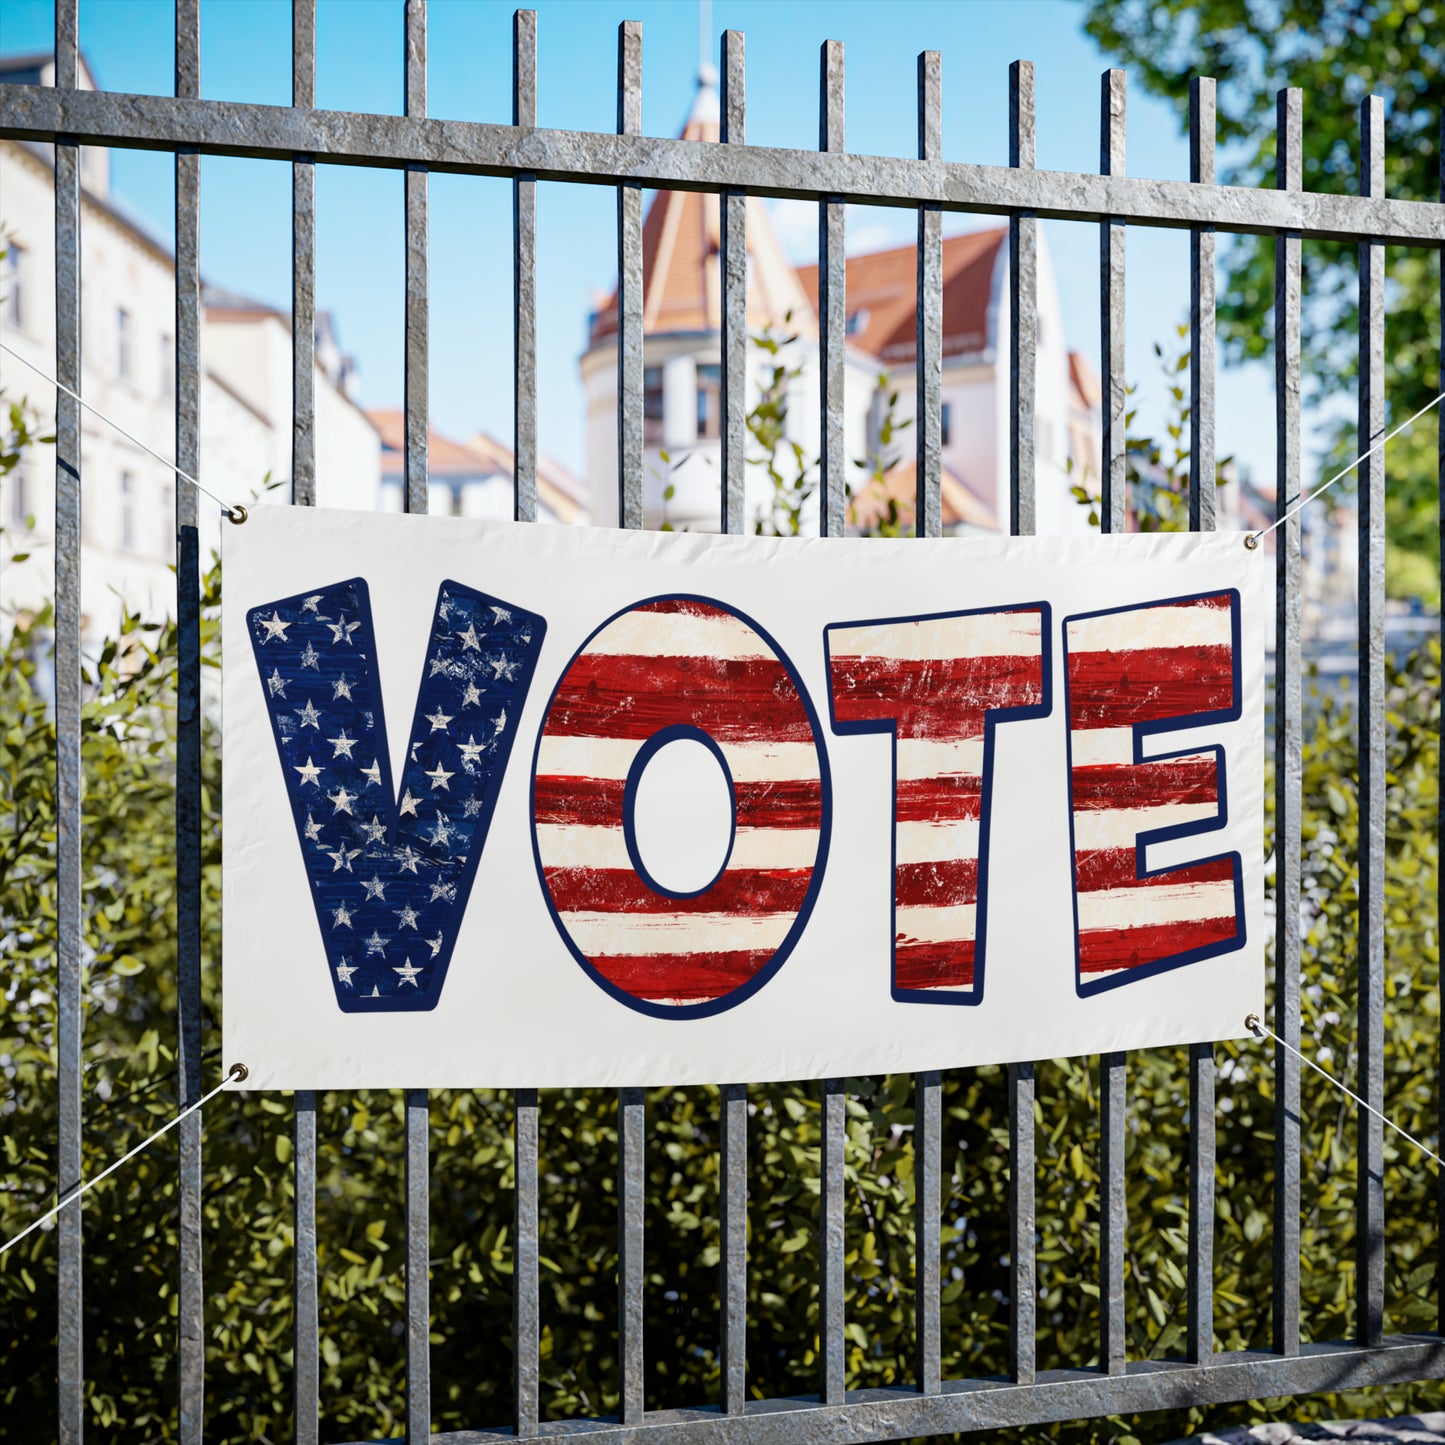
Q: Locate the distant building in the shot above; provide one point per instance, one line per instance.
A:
(471, 478)
(682, 327)
(128, 373)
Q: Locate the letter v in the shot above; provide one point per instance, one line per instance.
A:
(390, 877)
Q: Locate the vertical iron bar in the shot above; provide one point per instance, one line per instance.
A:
(1113, 1106)
(631, 1191)
(629, 287)
(928, 337)
(526, 1307)
(1201, 314)
(1023, 308)
(1199, 1344)
(307, 1373)
(831, 1319)
(928, 1202)
(415, 381)
(1440, 815)
(524, 276)
(734, 1221)
(1370, 1163)
(832, 304)
(418, 1268)
(1113, 517)
(69, 1030)
(303, 266)
(1288, 728)
(191, 1300)
(415, 463)
(1023, 344)
(1023, 1291)
(734, 266)
(1113, 508)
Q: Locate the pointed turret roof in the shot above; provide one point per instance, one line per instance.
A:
(681, 244)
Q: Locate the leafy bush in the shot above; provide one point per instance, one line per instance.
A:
(130, 1082)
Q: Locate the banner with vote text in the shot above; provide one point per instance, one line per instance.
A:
(532, 806)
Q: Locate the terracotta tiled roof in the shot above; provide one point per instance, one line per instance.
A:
(681, 244)
(882, 290)
(557, 489)
(869, 506)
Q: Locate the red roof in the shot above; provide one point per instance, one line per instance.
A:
(882, 292)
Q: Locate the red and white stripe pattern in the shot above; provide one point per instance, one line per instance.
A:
(664, 663)
(1148, 664)
(934, 681)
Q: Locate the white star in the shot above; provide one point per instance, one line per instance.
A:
(309, 773)
(441, 835)
(444, 607)
(274, 627)
(373, 773)
(375, 830)
(408, 917)
(343, 745)
(407, 804)
(414, 747)
(471, 807)
(344, 971)
(409, 858)
(375, 992)
(341, 688)
(471, 750)
(375, 889)
(340, 801)
(501, 614)
(341, 916)
(376, 944)
(468, 639)
(504, 667)
(342, 858)
(310, 718)
(276, 684)
(471, 695)
(439, 776)
(442, 890)
(341, 631)
(438, 720)
(408, 974)
(500, 723)
(313, 828)
(435, 944)
(311, 658)
(438, 664)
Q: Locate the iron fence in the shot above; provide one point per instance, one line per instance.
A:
(188, 127)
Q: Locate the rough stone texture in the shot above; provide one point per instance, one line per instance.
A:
(1407, 1430)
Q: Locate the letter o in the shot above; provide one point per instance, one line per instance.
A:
(669, 667)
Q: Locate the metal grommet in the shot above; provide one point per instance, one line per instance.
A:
(1251, 1022)
(236, 514)
(1251, 540)
(240, 1073)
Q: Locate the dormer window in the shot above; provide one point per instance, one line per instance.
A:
(857, 321)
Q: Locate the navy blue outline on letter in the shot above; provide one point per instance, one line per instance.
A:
(1183, 830)
(509, 642)
(825, 828)
(993, 717)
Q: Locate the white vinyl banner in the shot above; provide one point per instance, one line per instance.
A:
(528, 806)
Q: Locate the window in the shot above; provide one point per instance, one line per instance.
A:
(12, 285)
(127, 510)
(857, 321)
(122, 343)
(19, 498)
(709, 399)
(946, 428)
(652, 428)
(168, 366)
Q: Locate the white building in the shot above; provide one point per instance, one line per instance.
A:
(682, 317)
(128, 374)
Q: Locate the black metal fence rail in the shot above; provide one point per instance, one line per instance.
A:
(189, 127)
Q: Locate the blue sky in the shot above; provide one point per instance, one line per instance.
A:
(245, 217)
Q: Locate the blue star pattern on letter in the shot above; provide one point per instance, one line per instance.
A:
(390, 875)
